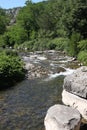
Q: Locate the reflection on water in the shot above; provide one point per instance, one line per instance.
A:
(24, 106)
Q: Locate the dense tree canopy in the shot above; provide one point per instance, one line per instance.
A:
(3, 21)
(50, 19)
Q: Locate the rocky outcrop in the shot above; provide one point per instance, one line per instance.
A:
(74, 95)
(75, 91)
(60, 117)
(13, 14)
(77, 82)
(76, 102)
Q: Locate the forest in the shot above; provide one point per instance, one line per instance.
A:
(51, 24)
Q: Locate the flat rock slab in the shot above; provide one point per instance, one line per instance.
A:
(60, 117)
(76, 102)
(76, 83)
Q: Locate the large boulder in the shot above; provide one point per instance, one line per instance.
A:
(76, 102)
(76, 83)
(60, 117)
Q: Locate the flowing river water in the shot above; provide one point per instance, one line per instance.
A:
(24, 106)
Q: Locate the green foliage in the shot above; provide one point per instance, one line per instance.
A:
(82, 56)
(74, 17)
(80, 20)
(2, 44)
(35, 45)
(3, 21)
(33, 35)
(61, 43)
(26, 45)
(82, 45)
(28, 16)
(41, 44)
(15, 35)
(75, 38)
(51, 45)
(48, 25)
(42, 33)
(11, 69)
(10, 52)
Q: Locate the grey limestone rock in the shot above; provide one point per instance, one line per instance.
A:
(76, 102)
(76, 83)
(60, 117)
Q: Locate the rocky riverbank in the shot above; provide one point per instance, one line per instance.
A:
(74, 96)
(75, 91)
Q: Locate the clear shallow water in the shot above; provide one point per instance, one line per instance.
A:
(24, 106)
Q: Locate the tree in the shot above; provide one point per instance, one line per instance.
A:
(27, 18)
(75, 17)
(15, 35)
(3, 21)
(73, 44)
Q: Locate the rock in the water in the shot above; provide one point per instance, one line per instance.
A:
(76, 83)
(60, 117)
(29, 66)
(74, 101)
(60, 69)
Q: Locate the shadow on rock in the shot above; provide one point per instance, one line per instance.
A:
(83, 127)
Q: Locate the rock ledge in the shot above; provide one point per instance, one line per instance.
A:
(76, 83)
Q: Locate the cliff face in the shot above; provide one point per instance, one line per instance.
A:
(12, 13)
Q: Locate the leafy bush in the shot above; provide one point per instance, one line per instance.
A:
(2, 44)
(51, 45)
(27, 44)
(42, 33)
(82, 56)
(14, 35)
(35, 45)
(10, 52)
(11, 70)
(41, 44)
(82, 45)
(73, 44)
(60, 43)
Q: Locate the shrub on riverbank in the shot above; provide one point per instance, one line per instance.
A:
(60, 44)
(82, 45)
(82, 56)
(11, 69)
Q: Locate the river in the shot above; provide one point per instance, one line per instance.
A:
(24, 106)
